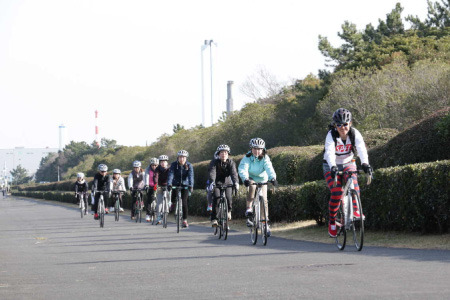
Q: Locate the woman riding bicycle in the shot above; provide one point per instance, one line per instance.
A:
(340, 144)
(136, 182)
(151, 184)
(163, 173)
(182, 174)
(256, 166)
(222, 171)
(102, 183)
(118, 185)
(81, 186)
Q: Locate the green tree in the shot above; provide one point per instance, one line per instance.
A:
(177, 128)
(19, 175)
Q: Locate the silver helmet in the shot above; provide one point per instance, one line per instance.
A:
(154, 161)
(116, 171)
(257, 143)
(342, 116)
(136, 164)
(80, 175)
(102, 167)
(163, 157)
(183, 153)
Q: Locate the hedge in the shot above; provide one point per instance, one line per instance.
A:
(406, 198)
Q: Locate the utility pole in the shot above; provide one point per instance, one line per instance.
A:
(206, 44)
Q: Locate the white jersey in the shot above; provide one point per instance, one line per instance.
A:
(342, 153)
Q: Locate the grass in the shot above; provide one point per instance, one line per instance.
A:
(310, 231)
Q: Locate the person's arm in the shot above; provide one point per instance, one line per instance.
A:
(130, 180)
(155, 178)
(361, 148)
(234, 174)
(170, 177)
(76, 188)
(268, 167)
(147, 176)
(243, 168)
(86, 186)
(330, 150)
(191, 176)
(95, 184)
(212, 171)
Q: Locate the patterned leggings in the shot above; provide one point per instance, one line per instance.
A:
(338, 190)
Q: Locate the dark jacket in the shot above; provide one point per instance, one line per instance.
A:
(163, 175)
(224, 173)
(81, 186)
(181, 175)
(101, 183)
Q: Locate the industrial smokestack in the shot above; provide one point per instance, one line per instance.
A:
(62, 137)
(229, 98)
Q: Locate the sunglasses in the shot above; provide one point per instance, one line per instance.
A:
(342, 125)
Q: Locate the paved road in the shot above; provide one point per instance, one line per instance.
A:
(48, 252)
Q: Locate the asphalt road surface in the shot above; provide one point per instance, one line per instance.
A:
(48, 252)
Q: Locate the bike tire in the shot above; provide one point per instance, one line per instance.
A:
(102, 214)
(165, 220)
(81, 204)
(220, 220)
(254, 228)
(341, 236)
(117, 209)
(358, 224)
(178, 215)
(263, 222)
(225, 219)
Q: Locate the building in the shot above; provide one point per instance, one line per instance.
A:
(28, 158)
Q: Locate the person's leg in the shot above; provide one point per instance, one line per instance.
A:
(216, 195)
(251, 194)
(184, 198)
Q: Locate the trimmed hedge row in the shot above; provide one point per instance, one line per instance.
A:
(409, 198)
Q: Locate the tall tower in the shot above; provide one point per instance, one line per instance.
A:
(97, 140)
(229, 97)
(62, 137)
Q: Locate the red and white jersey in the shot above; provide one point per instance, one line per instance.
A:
(342, 153)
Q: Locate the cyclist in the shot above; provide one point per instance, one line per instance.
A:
(81, 186)
(256, 166)
(340, 144)
(222, 171)
(182, 173)
(163, 173)
(151, 184)
(118, 185)
(136, 180)
(102, 182)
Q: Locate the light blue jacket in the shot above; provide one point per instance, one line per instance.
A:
(260, 170)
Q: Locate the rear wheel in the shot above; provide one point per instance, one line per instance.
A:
(102, 214)
(358, 223)
(341, 236)
(263, 222)
(225, 219)
(254, 228)
(178, 216)
(81, 205)
(117, 209)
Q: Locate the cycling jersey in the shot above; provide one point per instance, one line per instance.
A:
(81, 186)
(341, 152)
(223, 172)
(101, 183)
(259, 169)
(181, 175)
(163, 174)
(151, 177)
(136, 180)
(118, 185)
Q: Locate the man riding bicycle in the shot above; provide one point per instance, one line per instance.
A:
(340, 144)
(102, 183)
(136, 182)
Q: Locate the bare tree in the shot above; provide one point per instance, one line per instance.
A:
(262, 86)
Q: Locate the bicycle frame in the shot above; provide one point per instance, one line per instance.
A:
(179, 206)
(222, 213)
(259, 222)
(165, 206)
(138, 206)
(82, 198)
(116, 196)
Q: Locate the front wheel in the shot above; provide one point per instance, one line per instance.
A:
(117, 209)
(341, 236)
(358, 223)
(178, 215)
(263, 222)
(225, 219)
(254, 227)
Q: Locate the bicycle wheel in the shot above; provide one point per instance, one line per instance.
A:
(81, 205)
(225, 219)
(255, 220)
(178, 215)
(220, 219)
(117, 209)
(341, 236)
(165, 213)
(102, 214)
(263, 221)
(358, 224)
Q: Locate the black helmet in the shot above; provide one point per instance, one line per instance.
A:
(342, 116)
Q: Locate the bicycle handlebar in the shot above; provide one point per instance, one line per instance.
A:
(223, 186)
(369, 175)
(182, 187)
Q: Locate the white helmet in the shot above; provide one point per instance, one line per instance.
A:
(163, 157)
(183, 153)
(116, 171)
(223, 148)
(154, 161)
(102, 168)
(136, 164)
(80, 175)
(257, 143)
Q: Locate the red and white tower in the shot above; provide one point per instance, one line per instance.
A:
(97, 140)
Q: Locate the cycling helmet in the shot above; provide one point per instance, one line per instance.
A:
(257, 143)
(223, 148)
(342, 116)
(80, 175)
(136, 164)
(163, 157)
(154, 161)
(183, 153)
(102, 168)
(116, 171)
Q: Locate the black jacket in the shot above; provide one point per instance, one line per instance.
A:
(101, 183)
(224, 173)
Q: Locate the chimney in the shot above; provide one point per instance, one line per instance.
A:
(229, 98)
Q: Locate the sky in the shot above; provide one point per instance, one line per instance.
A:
(138, 62)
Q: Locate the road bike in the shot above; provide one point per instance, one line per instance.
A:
(222, 213)
(82, 203)
(116, 196)
(138, 206)
(179, 206)
(165, 206)
(345, 218)
(101, 208)
(258, 219)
